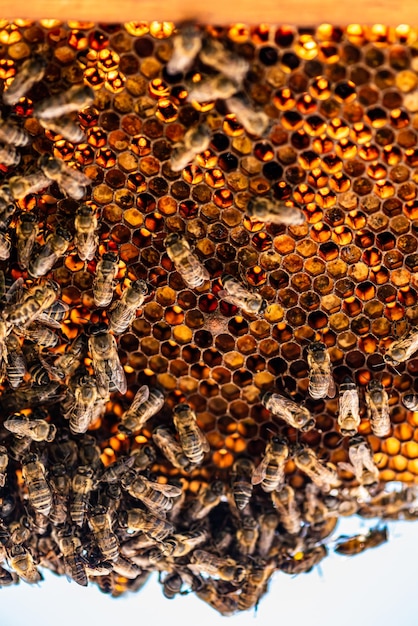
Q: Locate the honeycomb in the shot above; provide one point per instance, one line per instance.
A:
(342, 145)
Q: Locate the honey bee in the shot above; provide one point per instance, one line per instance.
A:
(22, 186)
(23, 425)
(186, 46)
(56, 245)
(192, 440)
(255, 584)
(377, 402)
(106, 583)
(60, 483)
(101, 526)
(54, 315)
(186, 263)
(39, 493)
(27, 396)
(274, 212)
(156, 496)
(181, 544)
(236, 294)
(63, 449)
(322, 476)
(7, 578)
(86, 240)
(13, 135)
(7, 206)
(5, 245)
(18, 447)
(247, 535)
(321, 382)
(349, 408)
(4, 461)
(104, 280)
(8, 156)
(303, 561)
(294, 414)
(65, 127)
(4, 331)
(126, 568)
(144, 457)
(316, 511)
(68, 362)
(81, 487)
(49, 555)
(402, 349)
(145, 404)
(123, 312)
(39, 334)
(170, 448)
(84, 404)
(268, 523)
(71, 548)
(26, 233)
(285, 503)
(207, 499)
(153, 526)
(222, 603)
(195, 141)
(75, 99)
(270, 472)
(71, 181)
(172, 585)
(114, 472)
(30, 72)
(362, 464)
(107, 366)
(242, 486)
(217, 56)
(15, 362)
(202, 561)
(212, 88)
(89, 453)
(359, 543)
(21, 561)
(410, 401)
(254, 122)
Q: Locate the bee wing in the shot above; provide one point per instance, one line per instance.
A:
(346, 401)
(117, 376)
(141, 396)
(24, 250)
(15, 291)
(101, 377)
(171, 491)
(259, 472)
(347, 467)
(203, 441)
(332, 390)
(224, 295)
(58, 309)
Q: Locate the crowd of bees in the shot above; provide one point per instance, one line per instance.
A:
(208, 300)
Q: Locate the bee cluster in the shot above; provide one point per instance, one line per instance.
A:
(204, 233)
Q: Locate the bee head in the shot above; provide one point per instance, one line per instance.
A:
(308, 426)
(374, 385)
(140, 286)
(63, 232)
(110, 256)
(96, 329)
(172, 239)
(266, 397)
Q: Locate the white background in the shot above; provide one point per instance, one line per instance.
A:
(378, 587)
